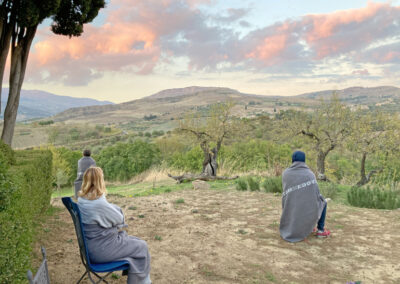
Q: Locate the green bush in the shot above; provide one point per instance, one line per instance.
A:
(125, 160)
(373, 198)
(27, 196)
(254, 183)
(328, 189)
(273, 184)
(241, 184)
(191, 161)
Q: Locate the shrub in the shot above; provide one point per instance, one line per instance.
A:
(254, 183)
(28, 192)
(373, 198)
(123, 161)
(328, 189)
(241, 184)
(273, 184)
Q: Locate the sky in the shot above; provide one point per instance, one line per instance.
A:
(135, 48)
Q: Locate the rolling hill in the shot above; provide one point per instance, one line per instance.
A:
(171, 104)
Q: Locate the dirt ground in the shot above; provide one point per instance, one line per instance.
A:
(233, 237)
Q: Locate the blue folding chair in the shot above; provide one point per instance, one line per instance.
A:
(80, 234)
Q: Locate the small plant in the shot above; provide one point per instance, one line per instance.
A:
(115, 276)
(373, 198)
(241, 184)
(270, 277)
(158, 238)
(254, 183)
(167, 190)
(273, 184)
(132, 207)
(195, 211)
(180, 200)
(141, 216)
(242, 232)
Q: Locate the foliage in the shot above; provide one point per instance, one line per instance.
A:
(190, 161)
(272, 184)
(254, 183)
(46, 122)
(373, 198)
(328, 189)
(123, 161)
(241, 184)
(28, 196)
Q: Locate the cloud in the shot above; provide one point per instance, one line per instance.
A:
(137, 36)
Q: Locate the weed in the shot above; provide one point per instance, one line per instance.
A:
(329, 189)
(254, 183)
(46, 230)
(180, 200)
(141, 216)
(242, 232)
(241, 184)
(195, 211)
(69, 241)
(158, 238)
(132, 207)
(167, 190)
(273, 184)
(270, 277)
(115, 276)
(373, 198)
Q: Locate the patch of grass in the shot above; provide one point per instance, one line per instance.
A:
(46, 230)
(195, 211)
(141, 216)
(157, 238)
(132, 207)
(272, 184)
(241, 232)
(179, 201)
(115, 276)
(69, 241)
(274, 224)
(373, 198)
(241, 184)
(254, 183)
(270, 277)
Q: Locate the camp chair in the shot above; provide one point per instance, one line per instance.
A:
(80, 234)
(42, 275)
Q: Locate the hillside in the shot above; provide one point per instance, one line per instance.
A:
(171, 104)
(38, 104)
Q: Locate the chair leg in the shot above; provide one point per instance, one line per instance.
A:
(102, 279)
(79, 281)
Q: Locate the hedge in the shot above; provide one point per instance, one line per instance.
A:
(25, 196)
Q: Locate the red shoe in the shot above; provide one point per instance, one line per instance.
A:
(323, 234)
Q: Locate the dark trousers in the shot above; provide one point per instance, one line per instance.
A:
(321, 221)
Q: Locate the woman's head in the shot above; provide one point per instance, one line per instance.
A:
(93, 185)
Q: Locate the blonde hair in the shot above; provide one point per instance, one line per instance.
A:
(93, 185)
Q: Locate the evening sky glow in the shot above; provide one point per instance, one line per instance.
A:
(138, 47)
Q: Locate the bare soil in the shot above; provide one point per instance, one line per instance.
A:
(233, 237)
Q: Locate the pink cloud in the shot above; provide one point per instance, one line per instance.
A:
(137, 35)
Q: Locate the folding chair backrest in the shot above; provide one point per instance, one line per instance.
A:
(42, 275)
(80, 233)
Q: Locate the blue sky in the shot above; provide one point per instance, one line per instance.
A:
(267, 47)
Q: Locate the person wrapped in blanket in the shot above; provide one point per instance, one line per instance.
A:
(102, 223)
(303, 206)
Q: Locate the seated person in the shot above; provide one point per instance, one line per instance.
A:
(102, 222)
(83, 164)
(302, 203)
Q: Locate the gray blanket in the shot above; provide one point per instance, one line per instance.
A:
(302, 203)
(107, 243)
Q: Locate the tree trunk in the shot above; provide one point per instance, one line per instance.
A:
(5, 38)
(20, 46)
(191, 177)
(363, 178)
(321, 166)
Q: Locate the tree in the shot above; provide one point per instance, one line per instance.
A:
(210, 132)
(326, 128)
(22, 18)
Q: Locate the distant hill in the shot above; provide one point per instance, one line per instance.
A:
(38, 104)
(359, 95)
(171, 104)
